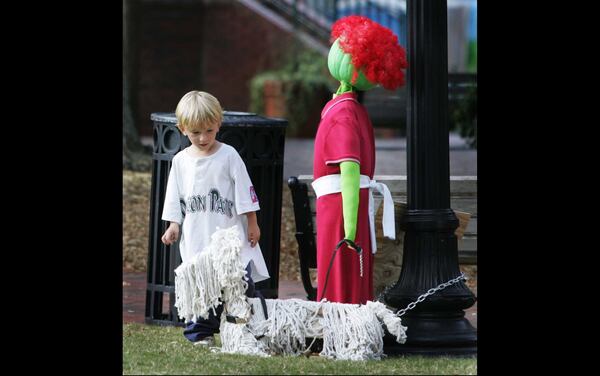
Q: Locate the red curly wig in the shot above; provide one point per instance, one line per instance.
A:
(374, 49)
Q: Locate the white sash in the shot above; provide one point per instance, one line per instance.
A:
(331, 184)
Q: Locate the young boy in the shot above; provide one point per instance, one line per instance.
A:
(209, 187)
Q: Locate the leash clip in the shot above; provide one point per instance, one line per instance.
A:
(354, 247)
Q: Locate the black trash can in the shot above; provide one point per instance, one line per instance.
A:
(260, 142)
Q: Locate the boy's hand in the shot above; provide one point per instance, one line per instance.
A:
(171, 235)
(253, 234)
(253, 230)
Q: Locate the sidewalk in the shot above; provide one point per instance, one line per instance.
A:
(134, 297)
(390, 155)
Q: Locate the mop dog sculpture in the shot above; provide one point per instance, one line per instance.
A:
(216, 275)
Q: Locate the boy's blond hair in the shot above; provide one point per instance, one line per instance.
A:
(197, 110)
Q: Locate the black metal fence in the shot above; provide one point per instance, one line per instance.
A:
(260, 142)
(316, 16)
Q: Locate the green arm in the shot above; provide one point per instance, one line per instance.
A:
(350, 184)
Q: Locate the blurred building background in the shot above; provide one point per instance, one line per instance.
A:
(225, 47)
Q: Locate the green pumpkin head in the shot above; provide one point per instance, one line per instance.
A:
(341, 68)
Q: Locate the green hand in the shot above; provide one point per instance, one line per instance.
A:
(350, 184)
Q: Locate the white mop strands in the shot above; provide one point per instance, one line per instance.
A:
(349, 331)
(214, 274)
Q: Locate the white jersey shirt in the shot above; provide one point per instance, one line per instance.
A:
(204, 193)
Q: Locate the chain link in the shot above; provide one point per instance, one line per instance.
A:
(424, 296)
(361, 263)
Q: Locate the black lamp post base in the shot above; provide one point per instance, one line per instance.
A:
(434, 336)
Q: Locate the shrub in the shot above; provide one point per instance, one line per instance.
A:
(305, 86)
(464, 117)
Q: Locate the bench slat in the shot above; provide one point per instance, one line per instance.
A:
(463, 200)
(463, 197)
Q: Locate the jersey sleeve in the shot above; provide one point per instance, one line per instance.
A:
(342, 143)
(245, 195)
(174, 205)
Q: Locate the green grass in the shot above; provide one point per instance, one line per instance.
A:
(149, 349)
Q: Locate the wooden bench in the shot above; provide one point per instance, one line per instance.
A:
(388, 259)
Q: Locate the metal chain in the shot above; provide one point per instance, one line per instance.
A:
(361, 263)
(424, 296)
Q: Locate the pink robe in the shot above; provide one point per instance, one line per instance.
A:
(345, 134)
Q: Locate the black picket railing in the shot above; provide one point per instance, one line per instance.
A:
(317, 16)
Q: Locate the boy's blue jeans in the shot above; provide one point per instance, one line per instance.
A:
(196, 331)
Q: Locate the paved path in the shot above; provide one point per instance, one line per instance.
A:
(390, 157)
(134, 295)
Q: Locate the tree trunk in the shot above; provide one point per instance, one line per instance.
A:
(134, 155)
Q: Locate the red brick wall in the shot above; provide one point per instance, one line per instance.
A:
(215, 47)
(169, 58)
(238, 43)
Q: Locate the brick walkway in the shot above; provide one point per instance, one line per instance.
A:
(134, 297)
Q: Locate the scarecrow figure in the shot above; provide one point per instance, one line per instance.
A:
(364, 54)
